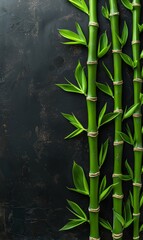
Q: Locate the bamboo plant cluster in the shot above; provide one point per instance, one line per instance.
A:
(125, 213)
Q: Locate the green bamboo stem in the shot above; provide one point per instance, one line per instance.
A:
(92, 121)
(137, 119)
(118, 143)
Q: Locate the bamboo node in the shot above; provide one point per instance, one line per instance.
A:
(136, 237)
(114, 14)
(92, 175)
(118, 143)
(138, 149)
(92, 99)
(92, 238)
(117, 83)
(94, 24)
(136, 214)
(116, 175)
(117, 236)
(137, 115)
(94, 210)
(118, 111)
(137, 80)
(118, 196)
(135, 42)
(92, 134)
(92, 62)
(137, 185)
(116, 50)
(136, 4)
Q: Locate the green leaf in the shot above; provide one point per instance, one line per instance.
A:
(79, 179)
(141, 98)
(105, 88)
(124, 35)
(140, 27)
(80, 4)
(128, 113)
(103, 46)
(73, 120)
(129, 170)
(74, 133)
(141, 200)
(103, 152)
(127, 60)
(102, 185)
(81, 78)
(108, 72)
(127, 4)
(77, 210)
(131, 198)
(105, 12)
(127, 212)
(126, 138)
(70, 88)
(105, 224)
(128, 223)
(130, 134)
(120, 218)
(101, 114)
(109, 117)
(106, 192)
(74, 37)
(141, 228)
(125, 177)
(141, 55)
(142, 72)
(72, 224)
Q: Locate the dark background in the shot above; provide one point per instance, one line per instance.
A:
(35, 161)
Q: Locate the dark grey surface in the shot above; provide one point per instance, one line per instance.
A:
(35, 161)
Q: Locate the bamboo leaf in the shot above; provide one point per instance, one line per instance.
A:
(73, 120)
(130, 134)
(72, 224)
(141, 55)
(101, 114)
(102, 185)
(140, 27)
(78, 191)
(129, 170)
(77, 210)
(81, 78)
(70, 88)
(127, 60)
(127, 224)
(131, 198)
(142, 73)
(125, 177)
(126, 138)
(141, 200)
(74, 133)
(108, 117)
(104, 51)
(120, 218)
(127, 4)
(108, 72)
(80, 4)
(103, 152)
(105, 224)
(103, 46)
(128, 113)
(141, 98)
(141, 228)
(124, 35)
(127, 212)
(105, 88)
(106, 192)
(105, 12)
(74, 37)
(79, 179)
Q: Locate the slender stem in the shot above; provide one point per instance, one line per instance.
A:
(137, 118)
(118, 144)
(92, 122)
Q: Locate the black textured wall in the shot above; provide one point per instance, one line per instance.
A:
(35, 161)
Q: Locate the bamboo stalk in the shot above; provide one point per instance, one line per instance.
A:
(92, 122)
(118, 143)
(137, 118)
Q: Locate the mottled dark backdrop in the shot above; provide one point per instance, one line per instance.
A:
(35, 161)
